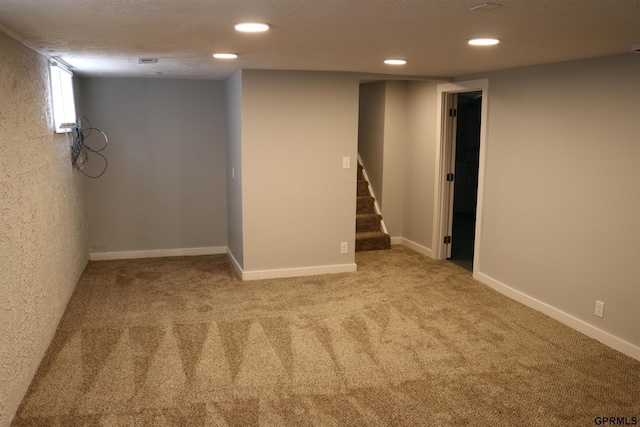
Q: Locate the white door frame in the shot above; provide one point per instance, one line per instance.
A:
(440, 210)
(449, 134)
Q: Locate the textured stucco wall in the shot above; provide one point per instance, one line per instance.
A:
(43, 236)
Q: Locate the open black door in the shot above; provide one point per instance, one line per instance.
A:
(467, 163)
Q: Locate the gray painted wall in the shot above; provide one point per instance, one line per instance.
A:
(165, 187)
(43, 230)
(397, 143)
(298, 203)
(561, 199)
(233, 88)
(371, 132)
(418, 214)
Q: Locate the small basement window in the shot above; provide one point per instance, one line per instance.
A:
(62, 99)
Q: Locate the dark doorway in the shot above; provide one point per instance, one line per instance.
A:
(467, 163)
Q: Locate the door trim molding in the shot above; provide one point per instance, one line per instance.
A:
(440, 224)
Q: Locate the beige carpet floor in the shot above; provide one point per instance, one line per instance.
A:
(405, 341)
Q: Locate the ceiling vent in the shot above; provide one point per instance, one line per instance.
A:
(147, 60)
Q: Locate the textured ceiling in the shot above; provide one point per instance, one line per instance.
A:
(106, 37)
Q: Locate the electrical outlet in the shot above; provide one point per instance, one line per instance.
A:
(346, 162)
(599, 308)
(344, 248)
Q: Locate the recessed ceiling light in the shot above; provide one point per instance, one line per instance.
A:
(251, 27)
(222, 55)
(483, 42)
(395, 61)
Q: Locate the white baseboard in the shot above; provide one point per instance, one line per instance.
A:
(157, 253)
(559, 315)
(412, 245)
(293, 272)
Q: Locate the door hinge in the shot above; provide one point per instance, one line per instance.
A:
(450, 177)
(447, 239)
(453, 112)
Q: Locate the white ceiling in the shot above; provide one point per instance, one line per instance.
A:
(106, 37)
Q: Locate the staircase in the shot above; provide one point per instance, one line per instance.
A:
(370, 234)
